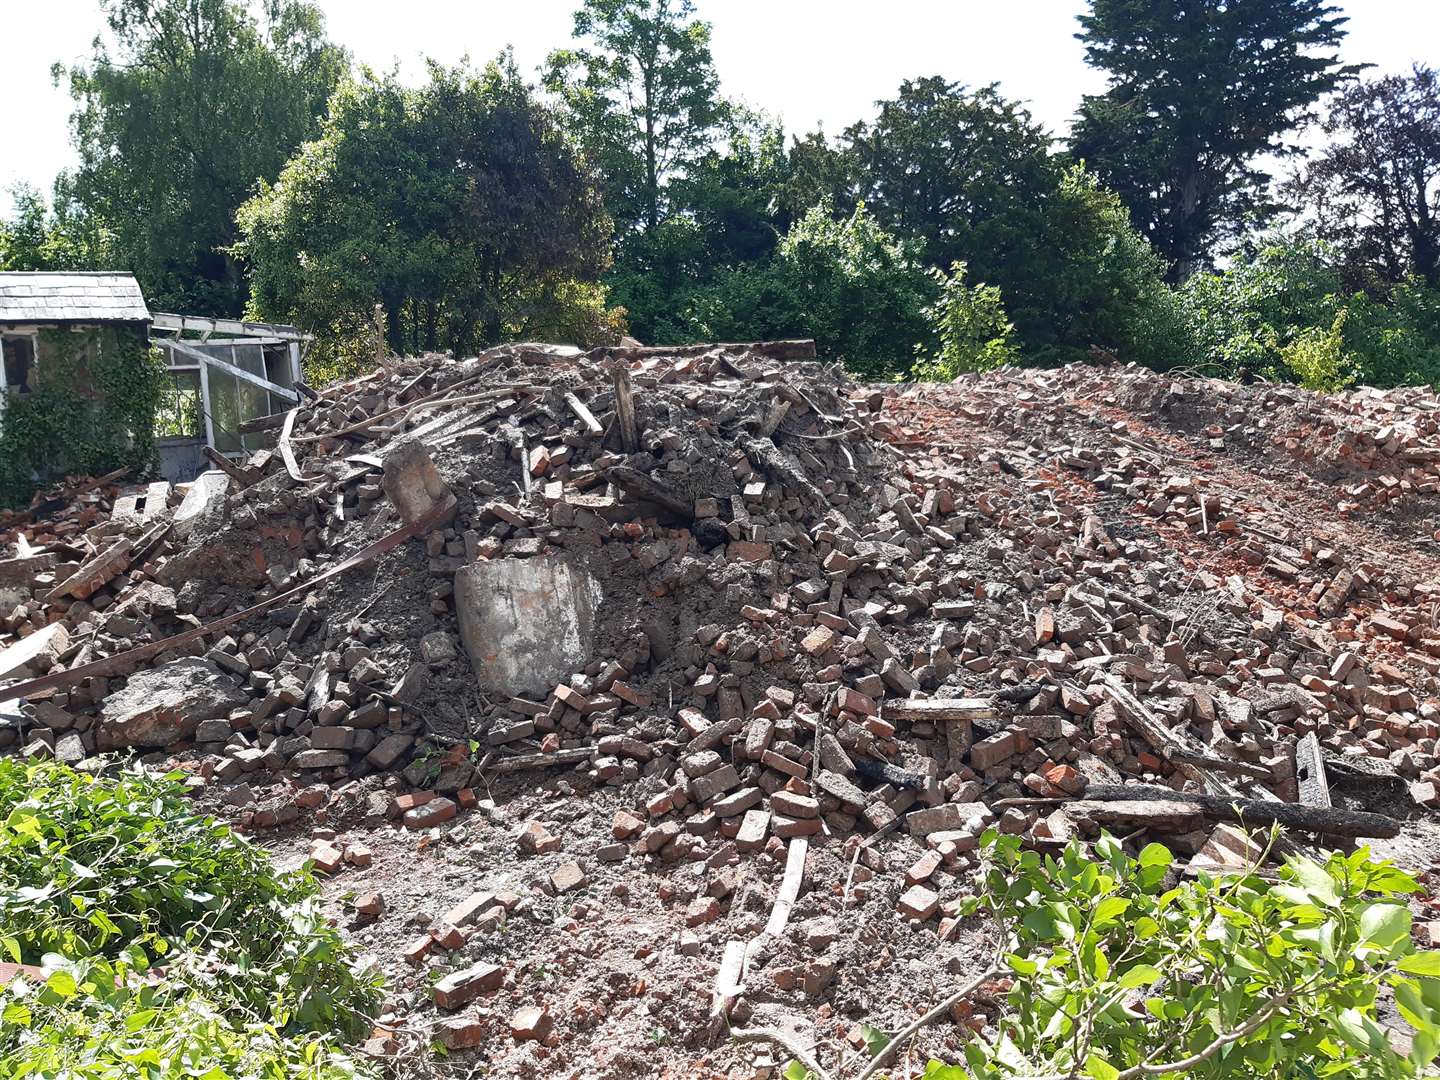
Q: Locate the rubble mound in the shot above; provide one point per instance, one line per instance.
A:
(684, 611)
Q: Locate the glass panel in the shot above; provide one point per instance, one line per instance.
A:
(178, 416)
(224, 410)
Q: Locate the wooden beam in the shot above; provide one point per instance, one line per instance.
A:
(581, 410)
(199, 324)
(240, 373)
(1326, 821)
(918, 710)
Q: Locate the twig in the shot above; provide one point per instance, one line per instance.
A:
(785, 1042)
(938, 1012)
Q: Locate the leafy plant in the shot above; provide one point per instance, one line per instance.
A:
(96, 1020)
(1117, 976)
(125, 872)
(1318, 357)
(971, 329)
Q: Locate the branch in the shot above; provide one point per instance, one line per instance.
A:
(937, 1013)
(785, 1042)
(1221, 1041)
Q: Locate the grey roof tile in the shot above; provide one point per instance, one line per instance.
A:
(78, 297)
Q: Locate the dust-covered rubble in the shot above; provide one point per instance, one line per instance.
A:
(739, 612)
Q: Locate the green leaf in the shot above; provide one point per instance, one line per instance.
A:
(1412, 1006)
(795, 1071)
(1314, 879)
(1360, 1031)
(1140, 975)
(1424, 963)
(1022, 966)
(62, 984)
(1110, 909)
(875, 1039)
(1100, 1069)
(1385, 924)
(1155, 855)
(16, 1014)
(938, 1070)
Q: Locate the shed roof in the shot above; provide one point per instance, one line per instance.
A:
(92, 297)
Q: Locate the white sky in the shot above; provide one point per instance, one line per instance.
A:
(807, 61)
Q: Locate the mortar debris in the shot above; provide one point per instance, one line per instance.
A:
(611, 694)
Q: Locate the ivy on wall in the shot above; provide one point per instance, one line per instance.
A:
(92, 410)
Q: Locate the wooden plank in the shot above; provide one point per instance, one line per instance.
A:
(204, 358)
(164, 320)
(582, 411)
(789, 890)
(1310, 773)
(541, 761)
(242, 476)
(919, 710)
(1130, 814)
(728, 981)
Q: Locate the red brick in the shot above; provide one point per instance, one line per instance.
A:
(918, 902)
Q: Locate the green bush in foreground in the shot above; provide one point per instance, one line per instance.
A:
(1118, 977)
(170, 945)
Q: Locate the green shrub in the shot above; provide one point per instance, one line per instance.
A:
(123, 871)
(99, 1021)
(970, 328)
(1118, 974)
(849, 284)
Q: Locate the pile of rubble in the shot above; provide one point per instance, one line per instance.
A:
(764, 605)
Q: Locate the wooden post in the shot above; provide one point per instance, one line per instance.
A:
(625, 407)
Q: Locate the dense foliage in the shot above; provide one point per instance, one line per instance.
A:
(92, 410)
(458, 207)
(1374, 191)
(627, 192)
(170, 946)
(860, 292)
(1282, 312)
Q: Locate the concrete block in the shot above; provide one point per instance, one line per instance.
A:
(526, 623)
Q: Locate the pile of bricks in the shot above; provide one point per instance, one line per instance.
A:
(822, 608)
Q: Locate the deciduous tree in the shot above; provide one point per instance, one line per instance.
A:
(642, 97)
(460, 207)
(196, 100)
(1374, 192)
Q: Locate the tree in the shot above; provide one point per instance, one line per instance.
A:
(1199, 89)
(459, 207)
(1098, 283)
(197, 101)
(59, 235)
(1374, 192)
(959, 170)
(642, 99)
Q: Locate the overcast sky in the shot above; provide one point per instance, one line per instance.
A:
(807, 61)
